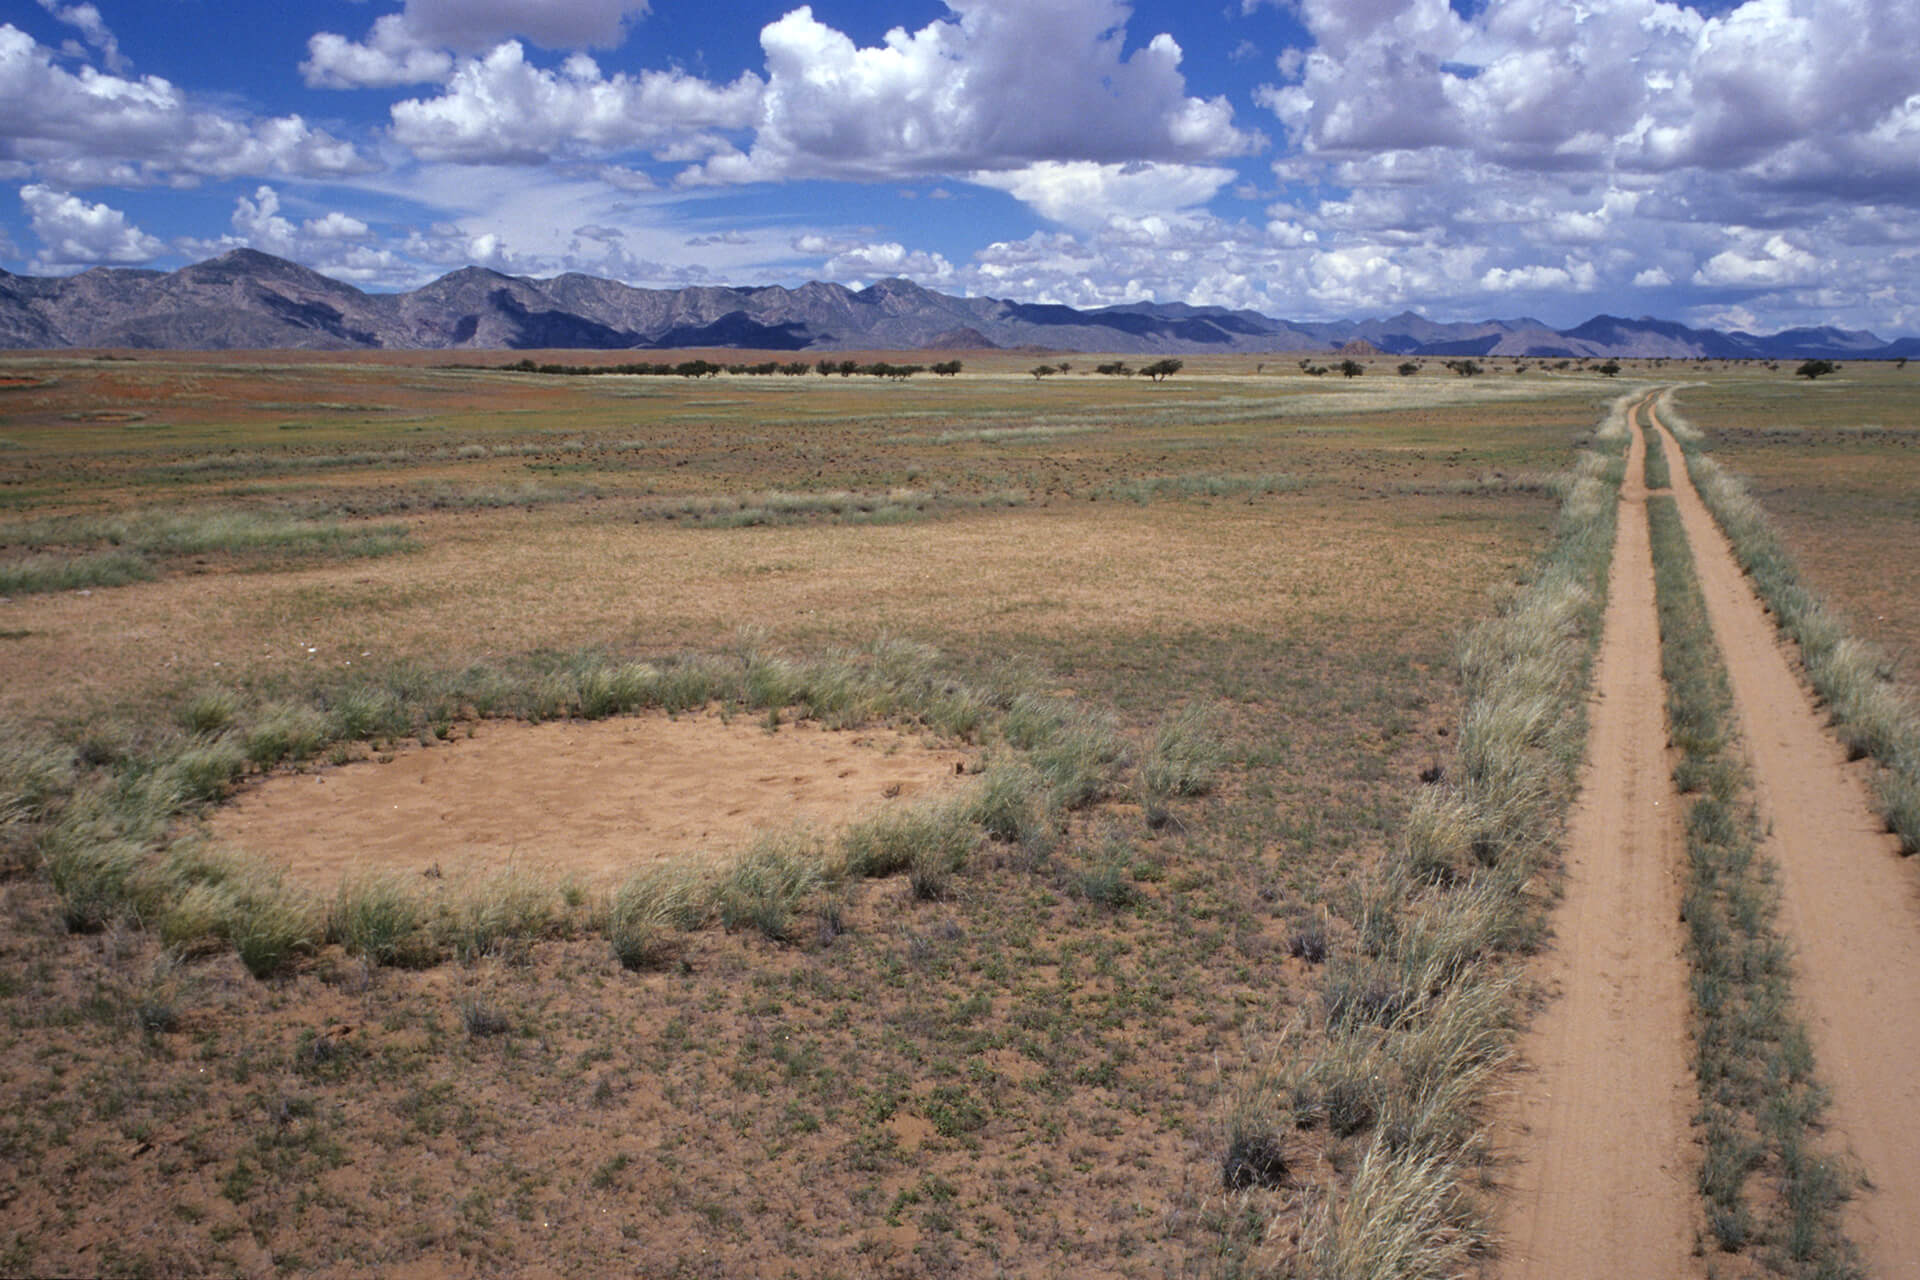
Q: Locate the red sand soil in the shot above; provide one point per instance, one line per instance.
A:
(591, 800)
(1601, 1181)
(1849, 903)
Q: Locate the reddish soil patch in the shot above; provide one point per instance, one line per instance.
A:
(1601, 1181)
(592, 800)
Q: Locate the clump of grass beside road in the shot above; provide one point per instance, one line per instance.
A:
(1760, 1104)
(1873, 715)
(1418, 1009)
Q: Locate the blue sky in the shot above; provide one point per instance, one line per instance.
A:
(1751, 166)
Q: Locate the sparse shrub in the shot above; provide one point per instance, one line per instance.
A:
(1366, 993)
(1308, 939)
(157, 1012)
(1254, 1159)
(482, 1019)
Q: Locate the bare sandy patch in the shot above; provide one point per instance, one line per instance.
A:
(591, 800)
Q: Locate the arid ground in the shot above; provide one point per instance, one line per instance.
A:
(501, 688)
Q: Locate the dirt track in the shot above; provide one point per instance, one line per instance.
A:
(1849, 904)
(1601, 1160)
(1600, 1182)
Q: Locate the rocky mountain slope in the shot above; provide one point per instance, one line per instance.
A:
(249, 300)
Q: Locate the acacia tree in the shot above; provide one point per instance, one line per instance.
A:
(1351, 368)
(1161, 370)
(1816, 369)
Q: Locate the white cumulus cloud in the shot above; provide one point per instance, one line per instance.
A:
(417, 44)
(868, 262)
(1088, 194)
(502, 109)
(1769, 262)
(996, 86)
(92, 126)
(74, 233)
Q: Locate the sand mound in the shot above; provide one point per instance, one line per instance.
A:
(593, 800)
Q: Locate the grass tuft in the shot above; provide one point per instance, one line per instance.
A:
(765, 886)
(1186, 755)
(649, 912)
(378, 919)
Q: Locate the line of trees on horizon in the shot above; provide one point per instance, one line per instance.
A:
(708, 369)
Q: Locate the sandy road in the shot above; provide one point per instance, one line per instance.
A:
(1850, 905)
(1600, 1172)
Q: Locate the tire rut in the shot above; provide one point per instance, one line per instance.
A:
(1600, 1175)
(1849, 904)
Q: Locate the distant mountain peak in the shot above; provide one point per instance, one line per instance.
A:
(248, 299)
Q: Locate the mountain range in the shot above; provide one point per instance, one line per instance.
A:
(247, 300)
